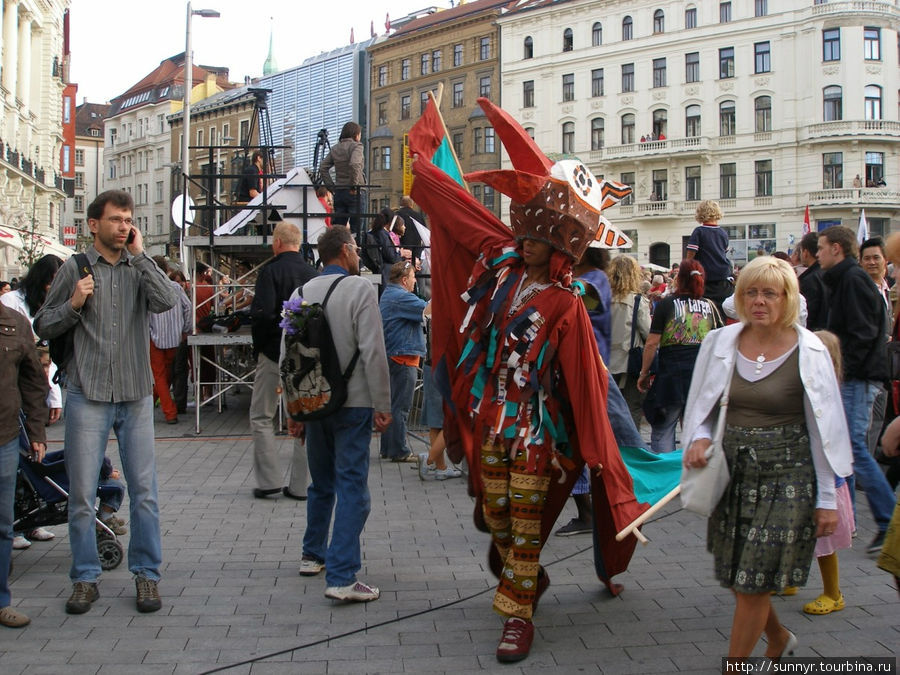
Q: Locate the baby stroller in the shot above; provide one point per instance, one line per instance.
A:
(42, 499)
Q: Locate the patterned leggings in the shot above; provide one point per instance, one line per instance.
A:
(513, 503)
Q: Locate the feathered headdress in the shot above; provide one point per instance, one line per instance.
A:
(556, 202)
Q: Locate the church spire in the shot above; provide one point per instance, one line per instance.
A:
(270, 67)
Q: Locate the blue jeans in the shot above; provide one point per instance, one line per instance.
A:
(858, 397)
(403, 383)
(620, 418)
(338, 452)
(9, 462)
(88, 424)
(662, 434)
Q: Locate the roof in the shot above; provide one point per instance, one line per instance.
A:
(452, 14)
(220, 100)
(90, 116)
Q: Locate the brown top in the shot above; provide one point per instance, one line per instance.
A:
(775, 400)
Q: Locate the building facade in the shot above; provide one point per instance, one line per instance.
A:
(764, 106)
(34, 68)
(138, 143)
(323, 92)
(456, 50)
(88, 171)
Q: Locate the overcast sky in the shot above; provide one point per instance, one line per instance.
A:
(114, 43)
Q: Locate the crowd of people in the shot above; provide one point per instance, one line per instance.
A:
(550, 333)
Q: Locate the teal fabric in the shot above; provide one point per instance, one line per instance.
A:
(654, 475)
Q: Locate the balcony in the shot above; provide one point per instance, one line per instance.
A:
(691, 145)
(874, 9)
(854, 196)
(843, 128)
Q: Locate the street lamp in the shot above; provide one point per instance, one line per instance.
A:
(188, 85)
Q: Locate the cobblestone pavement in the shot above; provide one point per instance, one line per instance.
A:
(233, 600)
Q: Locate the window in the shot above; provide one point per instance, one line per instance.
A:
(226, 138)
(874, 168)
(692, 183)
(627, 28)
(113, 169)
(763, 170)
(727, 181)
(660, 185)
(873, 102)
(726, 62)
(199, 136)
(484, 87)
(457, 95)
(66, 158)
(79, 180)
(597, 82)
(726, 118)
(762, 7)
(692, 67)
(79, 157)
(423, 101)
(872, 43)
(405, 106)
(659, 21)
(597, 132)
(834, 104)
(382, 113)
(530, 132)
(832, 170)
(457, 55)
(831, 44)
(489, 144)
(79, 203)
(568, 138)
(597, 34)
(627, 77)
(488, 199)
(477, 135)
(245, 131)
(404, 69)
(692, 121)
(425, 61)
(660, 121)
(528, 94)
(484, 49)
(528, 48)
(659, 72)
(762, 57)
(627, 179)
(567, 40)
(436, 61)
(690, 17)
(568, 87)
(627, 128)
(762, 106)
(724, 12)
(382, 76)
(458, 144)
(385, 158)
(161, 124)
(159, 191)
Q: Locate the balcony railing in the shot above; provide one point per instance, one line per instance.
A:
(881, 9)
(854, 128)
(666, 147)
(855, 196)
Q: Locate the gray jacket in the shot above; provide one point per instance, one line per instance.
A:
(347, 159)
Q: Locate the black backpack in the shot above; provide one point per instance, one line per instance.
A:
(314, 385)
(371, 253)
(62, 347)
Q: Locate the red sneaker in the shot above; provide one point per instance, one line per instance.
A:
(515, 643)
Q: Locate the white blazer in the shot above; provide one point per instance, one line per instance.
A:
(827, 427)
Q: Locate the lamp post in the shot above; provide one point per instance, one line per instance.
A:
(188, 85)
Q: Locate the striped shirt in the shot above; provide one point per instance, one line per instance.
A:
(112, 336)
(167, 328)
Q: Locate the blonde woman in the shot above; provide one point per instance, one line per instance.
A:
(625, 283)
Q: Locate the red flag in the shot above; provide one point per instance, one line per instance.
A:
(806, 228)
(387, 23)
(352, 39)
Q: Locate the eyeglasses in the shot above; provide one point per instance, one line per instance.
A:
(118, 220)
(768, 295)
(407, 265)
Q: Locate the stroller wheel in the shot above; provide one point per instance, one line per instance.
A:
(110, 552)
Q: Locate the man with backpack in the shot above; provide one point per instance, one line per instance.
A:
(275, 283)
(338, 444)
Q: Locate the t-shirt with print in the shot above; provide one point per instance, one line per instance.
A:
(682, 321)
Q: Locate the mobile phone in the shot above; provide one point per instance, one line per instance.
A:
(130, 237)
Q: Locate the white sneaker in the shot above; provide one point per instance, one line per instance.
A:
(450, 472)
(310, 567)
(426, 470)
(40, 534)
(356, 592)
(20, 542)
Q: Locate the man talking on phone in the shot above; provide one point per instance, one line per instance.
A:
(110, 388)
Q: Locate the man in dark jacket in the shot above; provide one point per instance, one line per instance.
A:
(812, 285)
(275, 284)
(347, 159)
(856, 315)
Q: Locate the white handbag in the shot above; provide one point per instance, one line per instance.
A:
(702, 487)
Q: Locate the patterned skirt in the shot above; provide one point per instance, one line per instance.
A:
(762, 533)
